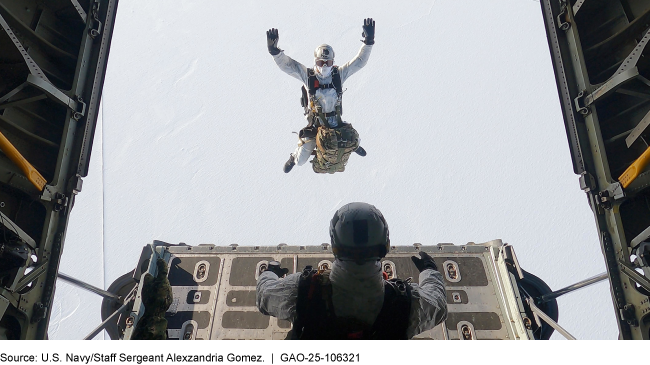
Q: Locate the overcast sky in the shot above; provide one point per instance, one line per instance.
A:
(457, 109)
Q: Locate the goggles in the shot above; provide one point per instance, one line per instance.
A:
(321, 63)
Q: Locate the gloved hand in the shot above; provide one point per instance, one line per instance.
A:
(275, 268)
(272, 38)
(425, 262)
(368, 31)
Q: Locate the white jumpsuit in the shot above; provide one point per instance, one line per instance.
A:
(357, 292)
(327, 98)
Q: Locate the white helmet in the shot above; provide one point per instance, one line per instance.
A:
(324, 60)
(324, 52)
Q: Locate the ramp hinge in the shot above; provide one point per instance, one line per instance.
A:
(80, 109)
(580, 105)
(608, 196)
(95, 26)
(563, 17)
(627, 313)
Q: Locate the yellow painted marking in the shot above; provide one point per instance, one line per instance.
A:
(635, 169)
(30, 172)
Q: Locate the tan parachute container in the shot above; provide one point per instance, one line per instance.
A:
(333, 148)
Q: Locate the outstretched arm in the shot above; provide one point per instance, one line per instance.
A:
(428, 304)
(364, 53)
(277, 297)
(429, 299)
(286, 63)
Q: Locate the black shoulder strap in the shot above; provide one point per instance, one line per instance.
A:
(336, 80)
(393, 320)
(312, 82)
(314, 309)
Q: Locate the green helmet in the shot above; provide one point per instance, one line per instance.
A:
(359, 233)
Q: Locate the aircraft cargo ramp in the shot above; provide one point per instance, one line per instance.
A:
(214, 290)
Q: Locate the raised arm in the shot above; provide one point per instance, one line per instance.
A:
(361, 58)
(429, 300)
(286, 63)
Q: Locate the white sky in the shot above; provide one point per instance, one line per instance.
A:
(457, 109)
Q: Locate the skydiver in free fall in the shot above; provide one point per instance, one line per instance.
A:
(323, 105)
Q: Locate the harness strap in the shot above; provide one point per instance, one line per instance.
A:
(336, 80)
(340, 154)
(313, 84)
(393, 320)
(323, 120)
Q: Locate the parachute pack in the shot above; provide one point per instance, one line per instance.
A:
(316, 319)
(333, 148)
(333, 145)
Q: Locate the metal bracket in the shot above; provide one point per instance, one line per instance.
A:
(613, 192)
(95, 26)
(549, 320)
(60, 200)
(587, 182)
(643, 254)
(580, 103)
(562, 18)
(641, 237)
(611, 85)
(627, 314)
(638, 130)
(633, 58)
(75, 184)
(577, 6)
(33, 275)
(39, 312)
(78, 107)
(632, 274)
(511, 260)
(81, 109)
(627, 71)
(31, 65)
(80, 10)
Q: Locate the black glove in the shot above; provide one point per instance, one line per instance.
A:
(425, 262)
(368, 31)
(272, 38)
(275, 268)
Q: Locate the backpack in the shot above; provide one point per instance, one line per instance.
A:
(316, 319)
(333, 148)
